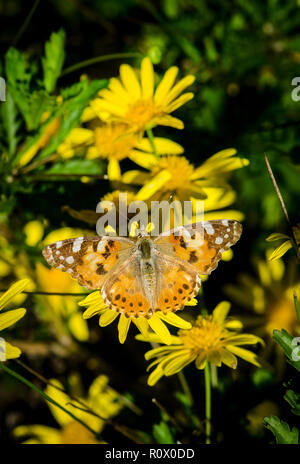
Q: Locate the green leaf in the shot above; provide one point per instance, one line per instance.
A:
(281, 430)
(54, 59)
(294, 401)
(39, 103)
(70, 113)
(162, 434)
(18, 80)
(10, 123)
(290, 347)
(77, 167)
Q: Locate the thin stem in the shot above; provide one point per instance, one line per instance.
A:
(294, 241)
(46, 397)
(151, 140)
(48, 293)
(163, 409)
(214, 376)
(98, 59)
(207, 378)
(296, 303)
(26, 22)
(185, 387)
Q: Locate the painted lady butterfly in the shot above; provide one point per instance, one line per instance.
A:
(137, 276)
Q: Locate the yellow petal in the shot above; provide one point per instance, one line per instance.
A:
(14, 290)
(155, 376)
(99, 106)
(123, 326)
(180, 101)
(175, 320)
(220, 312)
(79, 135)
(244, 354)
(107, 318)
(178, 88)
(160, 329)
(11, 317)
(228, 358)
(142, 325)
(244, 339)
(42, 433)
(78, 327)
(147, 78)
(61, 398)
(34, 231)
(281, 250)
(118, 89)
(276, 236)
(145, 160)
(11, 351)
(201, 360)
(178, 363)
(135, 177)
(165, 84)
(130, 81)
(113, 169)
(93, 310)
(92, 298)
(163, 146)
(170, 121)
(233, 324)
(153, 185)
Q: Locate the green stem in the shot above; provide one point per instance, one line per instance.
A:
(185, 387)
(98, 59)
(214, 376)
(151, 140)
(46, 397)
(207, 379)
(26, 22)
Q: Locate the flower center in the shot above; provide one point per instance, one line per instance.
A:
(180, 169)
(75, 433)
(142, 112)
(114, 140)
(205, 335)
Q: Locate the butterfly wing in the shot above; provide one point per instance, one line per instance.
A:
(124, 290)
(178, 283)
(88, 259)
(201, 244)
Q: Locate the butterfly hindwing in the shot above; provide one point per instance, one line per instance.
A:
(87, 259)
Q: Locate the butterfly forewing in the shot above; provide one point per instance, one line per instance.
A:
(88, 259)
(201, 244)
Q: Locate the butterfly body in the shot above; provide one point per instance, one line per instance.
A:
(137, 276)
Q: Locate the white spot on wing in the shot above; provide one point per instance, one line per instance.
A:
(225, 222)
(77, 245)
(70, 260)
(209, 229)
(219, 240)
(59, 244)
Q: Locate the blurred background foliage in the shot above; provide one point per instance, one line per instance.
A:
(244, 56)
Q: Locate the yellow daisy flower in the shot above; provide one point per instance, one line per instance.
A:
(212, 339)
(287, 244)
(270, 295)
(96, 306)
(8, 318)
(114, 142)
(135, 101)
(164, 179)
(101, 400)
